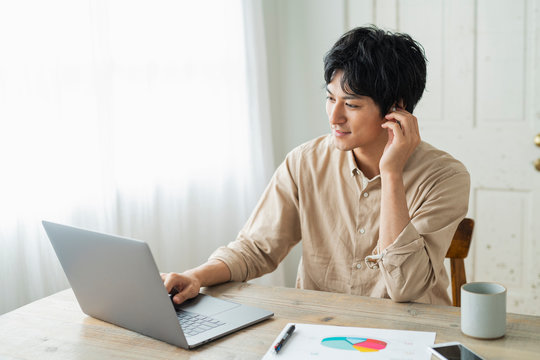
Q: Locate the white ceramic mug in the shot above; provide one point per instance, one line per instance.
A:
(483, 310)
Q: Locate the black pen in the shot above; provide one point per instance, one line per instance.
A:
(284, 339)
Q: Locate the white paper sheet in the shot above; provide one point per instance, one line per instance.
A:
(340, 342)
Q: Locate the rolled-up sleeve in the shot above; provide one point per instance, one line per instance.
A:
(271, 231)
(414, 262)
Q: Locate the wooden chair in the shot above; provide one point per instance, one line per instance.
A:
(459, 248)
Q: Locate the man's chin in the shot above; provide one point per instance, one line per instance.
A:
(341, 145)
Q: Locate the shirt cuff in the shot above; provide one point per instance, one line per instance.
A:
(234, 262)
(408, 242)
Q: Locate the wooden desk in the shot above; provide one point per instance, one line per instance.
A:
(55, 327)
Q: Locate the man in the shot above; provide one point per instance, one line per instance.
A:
(374, 206)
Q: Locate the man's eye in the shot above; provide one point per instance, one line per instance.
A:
(351, 106)
(329, 98)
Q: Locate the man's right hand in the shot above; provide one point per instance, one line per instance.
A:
(187, 285)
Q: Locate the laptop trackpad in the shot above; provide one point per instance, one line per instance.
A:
(206, 305)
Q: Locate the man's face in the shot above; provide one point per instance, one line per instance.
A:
(355, 120)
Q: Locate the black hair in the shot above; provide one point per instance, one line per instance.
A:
(388, 67)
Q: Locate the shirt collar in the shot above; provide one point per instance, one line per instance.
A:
(356, 171)
(352, 163)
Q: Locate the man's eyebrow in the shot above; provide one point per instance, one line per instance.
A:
(328, 90)
(347, 96)
(353, 97)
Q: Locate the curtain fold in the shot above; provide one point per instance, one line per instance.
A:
(147, 119)
(259, 110)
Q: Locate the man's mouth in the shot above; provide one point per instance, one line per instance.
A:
(341, 132)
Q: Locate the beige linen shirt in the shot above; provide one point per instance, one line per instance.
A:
(320, 197)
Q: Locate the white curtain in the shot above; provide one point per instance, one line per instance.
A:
(147, 119)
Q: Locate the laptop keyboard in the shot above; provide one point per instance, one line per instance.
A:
(194, 324)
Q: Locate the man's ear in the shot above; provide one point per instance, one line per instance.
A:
(396, 105)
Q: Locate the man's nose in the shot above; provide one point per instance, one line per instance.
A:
(336, 115)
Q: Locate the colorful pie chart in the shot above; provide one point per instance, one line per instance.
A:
(354, 344)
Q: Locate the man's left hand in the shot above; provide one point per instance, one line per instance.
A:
(403, 138)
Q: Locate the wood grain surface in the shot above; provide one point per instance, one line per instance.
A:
(56, 328)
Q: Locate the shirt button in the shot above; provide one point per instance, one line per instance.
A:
(362, 231)
(366, 194)
(359, 266)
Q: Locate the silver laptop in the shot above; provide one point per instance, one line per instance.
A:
(115, 279)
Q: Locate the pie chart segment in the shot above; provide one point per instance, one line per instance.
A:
(354, 343)
(364, 349)
(342, 343)
(373, 344)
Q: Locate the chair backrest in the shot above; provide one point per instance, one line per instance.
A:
(458, 250)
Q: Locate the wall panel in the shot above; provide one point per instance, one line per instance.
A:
(532, 53)
(458, 64)
(430, 33)
(359, 13)
(500, 59)
(386, 13)
(499, 249)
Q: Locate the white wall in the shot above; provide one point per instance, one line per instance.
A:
(482, 104)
